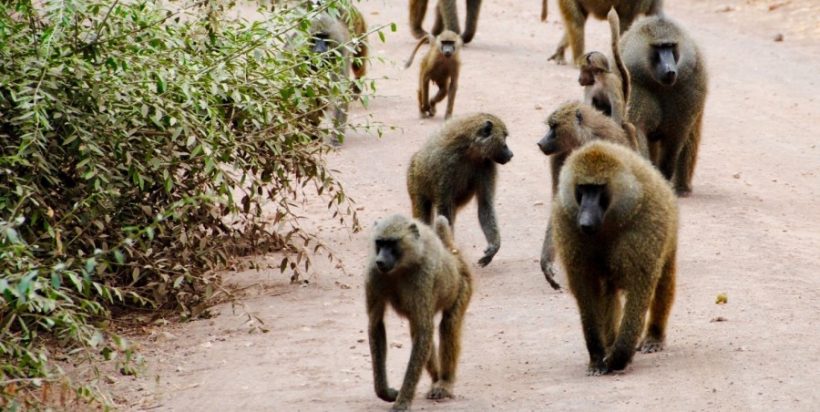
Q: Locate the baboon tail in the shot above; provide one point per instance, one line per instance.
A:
(615, 29)
(442, 227)
(423, 40)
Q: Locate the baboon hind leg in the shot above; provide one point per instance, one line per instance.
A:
(446, 17)
(473, 9)
(450, 344)
(418, 8)
(659, 310)
(685, 167)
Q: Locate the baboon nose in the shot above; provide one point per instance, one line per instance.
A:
(670, 76)
(588, 228)
(381, 266)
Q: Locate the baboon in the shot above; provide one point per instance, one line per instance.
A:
(446, 18)
(571, 126)
(616, 225)
(669, 87)
(575, 12)
(603, 89)
(457, 164)
(440, 65)
(419, 273)
(329, 35)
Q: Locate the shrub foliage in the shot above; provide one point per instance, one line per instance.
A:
(141, 149)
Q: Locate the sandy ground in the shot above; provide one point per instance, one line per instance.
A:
(750, 230)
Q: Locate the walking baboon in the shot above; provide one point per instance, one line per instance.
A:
(441, 66)
(329, 35)
(419, 274)
(571, 126)
(603, 89)
(616, 225)
(446, 18)
(457, 164)
(669, 87)
(575, 12)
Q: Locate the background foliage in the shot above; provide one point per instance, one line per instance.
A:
(141, 149)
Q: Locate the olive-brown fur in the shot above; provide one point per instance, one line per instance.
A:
(446, 18)
(632, 253)
(429, 277)
(669, 117)
(457, 164)
(575, 12)
(604, 89)
(573, 125)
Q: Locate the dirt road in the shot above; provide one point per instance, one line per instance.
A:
(751, 230)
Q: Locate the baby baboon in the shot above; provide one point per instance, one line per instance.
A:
(575, 12)
(457, 164)
(419, 274)
(571, 126)
(668, 95)
(616, 225)
(446, 18)
(603, 89)
(440, 65)
(328, 38)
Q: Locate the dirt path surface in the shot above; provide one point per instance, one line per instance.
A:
(751, 230)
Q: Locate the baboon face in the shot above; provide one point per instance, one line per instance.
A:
(594, 63)
(491, 140)
(593, 201)
(394, 240)
(564, 124)
(665, 63)
(321, 42)
(448, 43)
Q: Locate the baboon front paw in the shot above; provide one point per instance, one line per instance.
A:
(597, 369)
(558, 58)
(651, 345)
(388, 395)
(489, 253)
(550, 274)
(439, 392)
(397, 407)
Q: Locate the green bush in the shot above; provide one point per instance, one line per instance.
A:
(141, 150)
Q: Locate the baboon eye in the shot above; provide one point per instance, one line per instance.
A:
(579, 116)
(487, 129)
(414, 229)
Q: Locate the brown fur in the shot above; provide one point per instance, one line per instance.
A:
(457, 164)
(575, 12)
(667, 116)
(358, 27)
(440, 68)
(446, 18)
(334, 33)
(605, 90)
(573, 125)
(632, 250)
(429, 277)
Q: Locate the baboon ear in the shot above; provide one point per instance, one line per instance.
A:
(487, 129)
(578, 116)
(414, 230)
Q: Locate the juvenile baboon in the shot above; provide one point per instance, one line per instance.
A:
(329, 35)
(441, 66)
(419, 274)
(616, 225)
(571, 126)
(669, 87)
(603, 89)
(575, 12)
(446, 18)
(457, 164)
